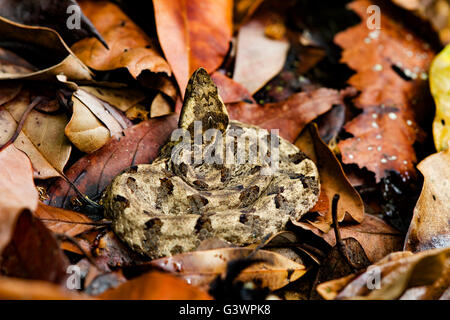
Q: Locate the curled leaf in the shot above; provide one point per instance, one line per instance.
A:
(92, 173)
(155, 286)
(43, 39)
(430, 225)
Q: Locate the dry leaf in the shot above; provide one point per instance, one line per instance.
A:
(65, 62)
(129, 46)
(62, 221)
(42, 137)
(33, 252)
(333, 181)
(20, 289)
(395, 273)
(160, 107)
(430, 225)
(193, 34)
(17, 190)
(53, 14)
(258, 57)
(84, 130)
(229, 90)
(201, 267)
(289, 116)
(155, 286)
(391, 70)
(122, 98)
(439, 85)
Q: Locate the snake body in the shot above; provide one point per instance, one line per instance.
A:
(170, 206)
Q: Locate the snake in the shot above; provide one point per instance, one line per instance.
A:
(216, 178)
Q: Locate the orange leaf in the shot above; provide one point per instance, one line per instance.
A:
(20, 289)
(62, 221)
(155, 286)
(129, 46)
(193, 34)
(17, 190)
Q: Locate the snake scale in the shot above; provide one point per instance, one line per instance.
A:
(171, 205)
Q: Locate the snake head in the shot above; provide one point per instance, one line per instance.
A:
(203, 103)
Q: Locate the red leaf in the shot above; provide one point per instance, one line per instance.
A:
(289, 116)
(384, 135)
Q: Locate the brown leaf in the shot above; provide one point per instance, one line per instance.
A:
(46, 40)
(201, 267)
(333, 181)
(395, 273)
(376, 237)
(193, 34)
(20, 289)
(229, 90)
(289, 116)
(53, 14)
(93, 172)
(41, 138)
(341, 262)
(258, 57)
(33, 252)
(17, 190)
(430, 225)
(62, 221)
(155, 286)
(122, 98)
(391, 68)
(129, 46)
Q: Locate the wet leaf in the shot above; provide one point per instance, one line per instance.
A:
(155, 286)
(44, 40)
(193, 34)
(93, 172)
(33, 252)
(17, 190)
(259, 57)
(289, 116)
(129, 46)
(201, 267)
(430, 225)
(391, 71)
